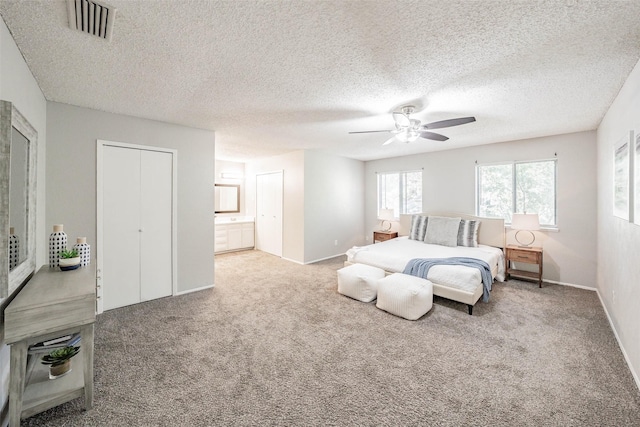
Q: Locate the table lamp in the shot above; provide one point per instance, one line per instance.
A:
(525, 222)
(386, 215)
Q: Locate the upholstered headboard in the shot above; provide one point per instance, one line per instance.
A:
(490, 232)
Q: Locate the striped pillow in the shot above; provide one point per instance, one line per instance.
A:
(468, 233)
(418, 227)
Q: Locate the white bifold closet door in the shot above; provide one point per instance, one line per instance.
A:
(137, 226)
(269, 198)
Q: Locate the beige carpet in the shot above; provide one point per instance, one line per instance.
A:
(275, 344)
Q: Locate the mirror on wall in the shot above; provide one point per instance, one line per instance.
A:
(227, 198)
(18, 237)
(18, 145)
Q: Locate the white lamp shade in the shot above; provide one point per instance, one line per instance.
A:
(523, 221)
(386, 214)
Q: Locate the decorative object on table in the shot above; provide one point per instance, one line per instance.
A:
(14, 249)
(69, 260)
(48, 346)
(60, 361)
(84, 251)
(386, 215)
(57, 243)
(525, 222)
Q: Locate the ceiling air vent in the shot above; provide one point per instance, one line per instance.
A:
(91, 17)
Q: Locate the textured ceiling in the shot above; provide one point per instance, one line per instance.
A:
(274, 76)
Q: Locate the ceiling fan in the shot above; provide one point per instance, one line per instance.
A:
(409, 130)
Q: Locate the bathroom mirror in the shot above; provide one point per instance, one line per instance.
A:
(18, 145)
(227, 198)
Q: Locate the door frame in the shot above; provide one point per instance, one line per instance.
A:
(100, 145)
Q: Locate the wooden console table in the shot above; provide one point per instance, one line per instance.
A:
(52, 304)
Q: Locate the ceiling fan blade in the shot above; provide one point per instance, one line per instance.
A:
(371, 131)
(434, 136)
(401, 120)
(448, 123)
(390, 140)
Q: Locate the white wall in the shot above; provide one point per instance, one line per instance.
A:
(71, 179)
(449, 185)
(292, 165)
(18, 86)
(619, 240)
(333, 205)
(323, 202)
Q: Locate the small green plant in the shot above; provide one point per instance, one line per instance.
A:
(73, 253)
(60, 355)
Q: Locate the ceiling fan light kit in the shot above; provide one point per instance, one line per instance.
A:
(409, 130)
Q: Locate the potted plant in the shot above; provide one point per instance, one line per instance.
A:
(69, 260)
(60, 360)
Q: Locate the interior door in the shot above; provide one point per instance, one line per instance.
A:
(262, 231)
(135, 242)
(269, 199)
(155, 224)
(276, 198)
(121, 222)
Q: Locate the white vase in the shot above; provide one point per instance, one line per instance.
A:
(84, 251)
(57, 243)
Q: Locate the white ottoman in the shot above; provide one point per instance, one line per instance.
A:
(359, 281)
(406, 296)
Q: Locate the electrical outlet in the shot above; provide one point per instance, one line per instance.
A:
(613, 295)
(335, 243)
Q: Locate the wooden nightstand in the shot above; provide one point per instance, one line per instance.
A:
(527, 255)
(381, 236)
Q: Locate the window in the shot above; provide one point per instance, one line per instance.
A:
(400, 191)
(517, 187)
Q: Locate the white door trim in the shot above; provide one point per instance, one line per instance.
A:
(100, 144)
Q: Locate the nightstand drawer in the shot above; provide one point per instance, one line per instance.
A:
(382, 236)
(523, 256)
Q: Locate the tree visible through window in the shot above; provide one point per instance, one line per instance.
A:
(525, 187)
(400, 191)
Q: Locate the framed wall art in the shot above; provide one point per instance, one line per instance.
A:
(636, 177)
(621, 166)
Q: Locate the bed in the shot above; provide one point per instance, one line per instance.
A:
(455, 282)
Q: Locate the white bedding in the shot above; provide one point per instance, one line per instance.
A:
(393, 255)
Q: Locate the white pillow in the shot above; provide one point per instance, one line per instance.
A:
(442, 231)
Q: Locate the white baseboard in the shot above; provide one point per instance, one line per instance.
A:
(315, 260)
(634, 374)
(588, 288)
(195, 290)
(325, 258)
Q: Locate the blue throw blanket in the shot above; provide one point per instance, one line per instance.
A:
(420, 267)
